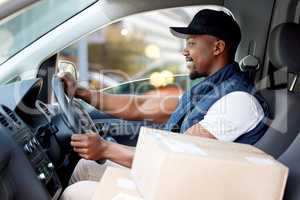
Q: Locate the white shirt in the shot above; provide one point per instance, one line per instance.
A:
(233, 115)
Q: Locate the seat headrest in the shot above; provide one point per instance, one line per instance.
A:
(249, 63)
(284, 47)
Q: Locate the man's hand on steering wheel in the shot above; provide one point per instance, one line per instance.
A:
(70, 84)
(72, 89)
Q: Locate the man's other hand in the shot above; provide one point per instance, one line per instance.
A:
(89, 146)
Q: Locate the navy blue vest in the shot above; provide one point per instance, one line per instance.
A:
(195, 103)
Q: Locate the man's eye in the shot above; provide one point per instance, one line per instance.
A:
(191, 43)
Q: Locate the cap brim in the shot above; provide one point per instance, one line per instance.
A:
(184, 32)
(181, 32)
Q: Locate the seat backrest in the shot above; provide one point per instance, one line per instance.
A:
(285, 105)
(285, 125)
(291, 158)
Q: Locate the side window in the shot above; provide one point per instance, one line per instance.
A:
(137, 47)
(130, 49)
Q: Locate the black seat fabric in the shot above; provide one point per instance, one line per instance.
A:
(285, 124)
(285, 105)
(284, 47)
(291, 158)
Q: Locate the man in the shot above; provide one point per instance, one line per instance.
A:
(223, 106)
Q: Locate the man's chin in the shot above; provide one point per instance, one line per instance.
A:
(194, 75)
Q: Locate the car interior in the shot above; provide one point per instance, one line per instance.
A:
(37, 118)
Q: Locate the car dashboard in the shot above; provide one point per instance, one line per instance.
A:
(36, 143)
(41, 135)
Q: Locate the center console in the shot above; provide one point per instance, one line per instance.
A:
(24, 137)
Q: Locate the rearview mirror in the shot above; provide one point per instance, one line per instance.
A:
(67, 66)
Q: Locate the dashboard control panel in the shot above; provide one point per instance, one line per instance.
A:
(24, 137)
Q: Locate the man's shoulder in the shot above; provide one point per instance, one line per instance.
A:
(239, 81)
(238, 96)
(240, 102)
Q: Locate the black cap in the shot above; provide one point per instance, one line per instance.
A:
(211, 22)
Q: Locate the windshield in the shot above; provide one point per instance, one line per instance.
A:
(19, 31)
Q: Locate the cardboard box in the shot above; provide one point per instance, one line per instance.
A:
(205, 142)
(180, 168)
(116, 184)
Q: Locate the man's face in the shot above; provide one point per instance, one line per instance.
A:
(199, 54)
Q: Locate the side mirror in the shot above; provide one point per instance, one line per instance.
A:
(67, 66)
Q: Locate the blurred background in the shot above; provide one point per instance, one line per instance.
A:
(139, 46)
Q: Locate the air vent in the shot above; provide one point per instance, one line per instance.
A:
(45, 109)
(11, 114)
(3, 120)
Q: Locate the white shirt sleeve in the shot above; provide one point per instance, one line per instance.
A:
(232, 116)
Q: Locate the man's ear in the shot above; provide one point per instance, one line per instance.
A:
(219, 47)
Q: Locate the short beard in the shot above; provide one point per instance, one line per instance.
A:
(194, 74)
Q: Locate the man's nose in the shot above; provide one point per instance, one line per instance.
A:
(185, 52)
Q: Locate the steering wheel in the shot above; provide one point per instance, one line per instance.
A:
(73, 114)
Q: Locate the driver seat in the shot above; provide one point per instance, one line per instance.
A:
(283, 49)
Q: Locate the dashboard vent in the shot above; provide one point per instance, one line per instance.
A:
(3, 120)
(45, 109)
(11, 114)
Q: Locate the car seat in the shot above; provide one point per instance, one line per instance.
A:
(283, 49)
